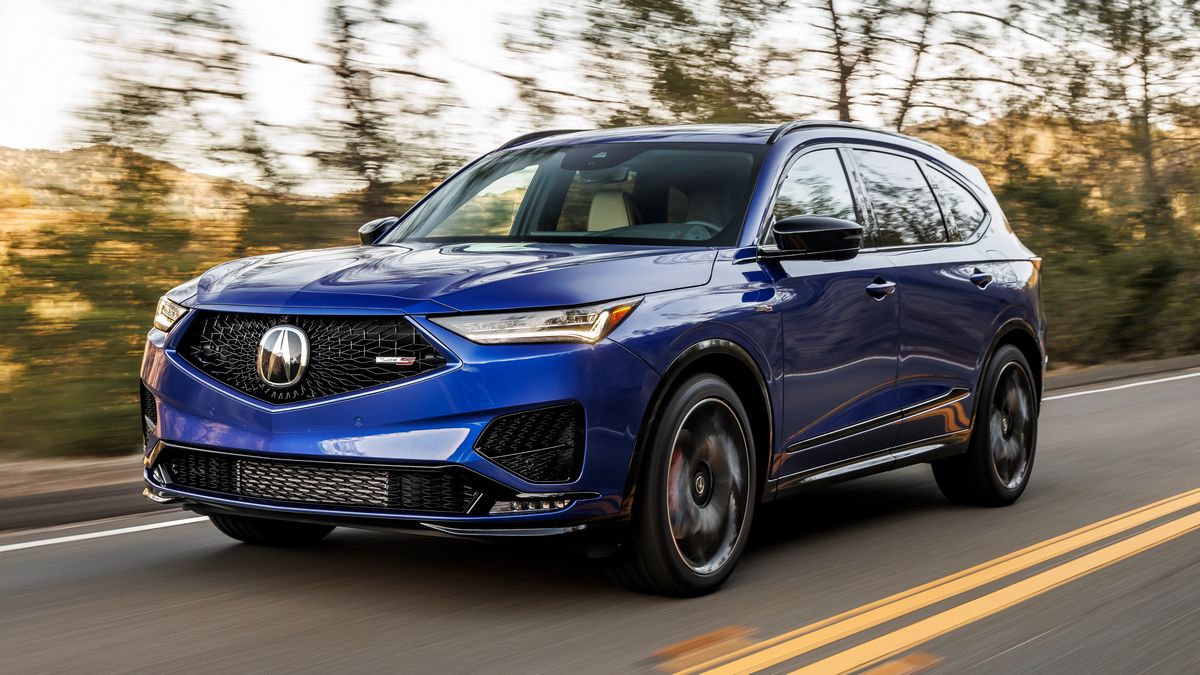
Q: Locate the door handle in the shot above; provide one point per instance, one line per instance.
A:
(980, 278)
(881, 288)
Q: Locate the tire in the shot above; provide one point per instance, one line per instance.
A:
(266, 532)
(999, 460)
(694, 501)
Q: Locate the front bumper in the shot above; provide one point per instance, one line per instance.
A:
(429, 423)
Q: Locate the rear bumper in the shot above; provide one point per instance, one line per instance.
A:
(430, 423)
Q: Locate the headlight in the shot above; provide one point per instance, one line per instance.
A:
(173, 305)
(576, 324)
(168, 313)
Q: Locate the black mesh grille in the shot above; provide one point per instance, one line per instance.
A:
(149, 407)
(149, 413)
(433, 490)
(343, 352)
(541, 446)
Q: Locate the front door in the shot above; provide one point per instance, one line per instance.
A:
(840, 333)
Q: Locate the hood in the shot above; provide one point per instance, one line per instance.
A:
(422, 278)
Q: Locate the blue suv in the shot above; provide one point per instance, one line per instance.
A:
(629, 336)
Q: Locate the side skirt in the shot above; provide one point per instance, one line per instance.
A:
(927, 450)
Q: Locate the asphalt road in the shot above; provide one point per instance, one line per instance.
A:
(1124, 597)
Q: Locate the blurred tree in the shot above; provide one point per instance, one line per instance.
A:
(952, 58)
(853, 38)
(1144, 67)
(655, 61)
(382, 111)
(175, 85)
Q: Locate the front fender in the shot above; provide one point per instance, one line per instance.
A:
(674, 330)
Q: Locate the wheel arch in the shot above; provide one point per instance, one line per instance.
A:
(1020, 334)
(734, 364)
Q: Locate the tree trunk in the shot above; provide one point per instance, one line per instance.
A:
(844, 69)
(910, 87)
(1158, 217)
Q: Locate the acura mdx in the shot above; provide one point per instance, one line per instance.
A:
(633, 336)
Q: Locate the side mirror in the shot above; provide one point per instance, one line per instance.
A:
(371, 232)
(817, 237)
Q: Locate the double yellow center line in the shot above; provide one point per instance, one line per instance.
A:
(796, 643)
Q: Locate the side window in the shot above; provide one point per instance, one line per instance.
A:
(816, 185)
(964, 214)
(905, 210)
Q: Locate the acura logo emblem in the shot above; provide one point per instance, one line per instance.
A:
(282, 356)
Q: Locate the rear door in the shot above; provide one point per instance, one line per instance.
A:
(946, 309)
(840, 342)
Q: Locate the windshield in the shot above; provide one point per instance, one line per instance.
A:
(676, 193)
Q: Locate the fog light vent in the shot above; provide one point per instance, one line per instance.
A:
(540, 446)
(149, 413)
(530, 505)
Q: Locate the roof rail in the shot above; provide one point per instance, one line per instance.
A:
(788, 127)
(525, 138)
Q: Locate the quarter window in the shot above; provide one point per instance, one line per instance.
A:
(964, 214)
(816, 185)
(905, 210)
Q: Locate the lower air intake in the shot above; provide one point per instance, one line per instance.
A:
(540, 446)
(319, 483)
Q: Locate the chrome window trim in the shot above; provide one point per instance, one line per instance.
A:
(862, 202)
(796, 155)
(966, 185)
(921, 161)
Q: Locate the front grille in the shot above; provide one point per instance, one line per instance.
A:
(320, 484)
(541, 446)
(343, 352)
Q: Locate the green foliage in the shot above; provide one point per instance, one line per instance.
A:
(1106, 296)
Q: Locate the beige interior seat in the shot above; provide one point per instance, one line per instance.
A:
(610, 209)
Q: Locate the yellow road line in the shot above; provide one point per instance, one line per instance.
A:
(927, 629)
(794, 643)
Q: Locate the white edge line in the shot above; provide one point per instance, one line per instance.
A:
(1018, 646)
(1121, 386)
(80, 524)
(98, 535)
